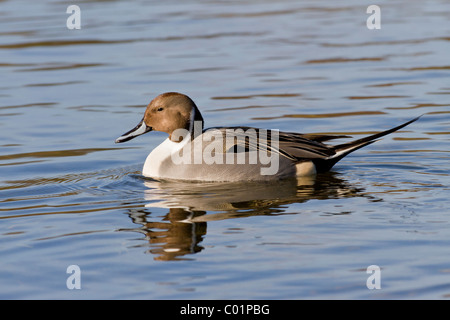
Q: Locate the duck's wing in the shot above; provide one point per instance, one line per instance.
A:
(294, 146)
(300, 147)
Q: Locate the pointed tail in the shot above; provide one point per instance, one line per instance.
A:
(344, 149)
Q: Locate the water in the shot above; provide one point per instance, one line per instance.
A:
(70, 196)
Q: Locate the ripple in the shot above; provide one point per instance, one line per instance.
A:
(63, 66)
(323, 115)
(423, 68)
(54, 153)
(57, 43)
(54, 84)
(391, 84)
(420, 105)
(376, 97)
(343, 60)
(382, 43)
(267, 95)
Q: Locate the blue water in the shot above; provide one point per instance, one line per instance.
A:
(70, 196)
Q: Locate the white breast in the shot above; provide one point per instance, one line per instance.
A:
(156, 158)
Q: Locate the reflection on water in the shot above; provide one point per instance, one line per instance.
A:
(191, 205)
(172, 237)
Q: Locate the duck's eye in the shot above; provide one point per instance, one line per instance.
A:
(160, 109)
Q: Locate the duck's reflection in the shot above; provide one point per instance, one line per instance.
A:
(191, 205)
(171, 237)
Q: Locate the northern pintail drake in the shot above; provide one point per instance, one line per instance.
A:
(233, 153)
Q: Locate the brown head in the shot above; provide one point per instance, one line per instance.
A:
(167, 112)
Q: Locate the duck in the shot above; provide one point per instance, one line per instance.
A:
(193, 153)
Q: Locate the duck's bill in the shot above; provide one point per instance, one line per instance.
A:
(141, 128)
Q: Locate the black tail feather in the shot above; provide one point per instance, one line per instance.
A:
(351, 144)
(344, 149)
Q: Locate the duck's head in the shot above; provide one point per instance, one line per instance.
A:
(167, 112)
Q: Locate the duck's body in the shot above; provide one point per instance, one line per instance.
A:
(232, 153)
(166, 161)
